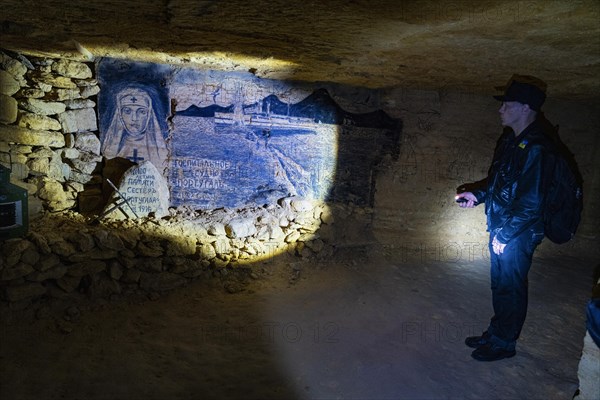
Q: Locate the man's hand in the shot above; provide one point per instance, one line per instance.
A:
(470, 197)
(497, 246)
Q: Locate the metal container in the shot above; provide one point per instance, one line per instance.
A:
(14, 215)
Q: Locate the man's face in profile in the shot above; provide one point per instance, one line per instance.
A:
(510, 112)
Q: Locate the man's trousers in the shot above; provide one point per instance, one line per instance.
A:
(509, 287)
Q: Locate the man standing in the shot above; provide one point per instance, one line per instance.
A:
(514, 198)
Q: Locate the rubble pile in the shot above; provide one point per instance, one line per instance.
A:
(65, 252)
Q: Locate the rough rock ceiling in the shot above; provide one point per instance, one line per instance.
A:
(466, 45)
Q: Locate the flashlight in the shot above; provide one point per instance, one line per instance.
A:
(463, 200)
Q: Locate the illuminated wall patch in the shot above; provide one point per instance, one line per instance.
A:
(231, 139)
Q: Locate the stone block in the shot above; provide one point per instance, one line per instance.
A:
(13, 250)
(78, 187)
(81, 120)
(30, 256)
(8, 109)
(150, 264)
(108, 240)
(44, 87)
(10, 133)
(63, 205)
(69, 140)
(8, 84)
(146, 191)
(52, 80)
(14, 67)
(42, 107)
(89, 91)
(41, 243)
(292, 237)
(85, 164)
(222, 246)
(38, 122)
(216, 229)
(240, 228)
(86, 82)
(63, 248)
(87, 142)
(18, 271)
(161, 281)
(327, 216)
(219, 263)
(94, 254)
(81, 178)
(83, 241)
(275, 232)
(207, 251)
(39, 166)
(180, 245)
(22, 149)
(131, 276)
(262, 234)
(302, 205)
(84, 268)
(47, 262)
(150, 249)
(57, 94)
(104, 287)
(15, 158)
(54, 273)
(72, 69)
(58, 170)
(33, 93)
(115, 271)
(69, 283)
(41, 152)
(79, 104)
(70, 153)
(52, 190)
(22, 292)
(179, 264)
(283, 222)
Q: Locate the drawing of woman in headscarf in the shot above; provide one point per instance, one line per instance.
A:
(134, 132)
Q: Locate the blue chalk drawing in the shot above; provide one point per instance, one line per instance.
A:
(268, 149)
(132, 115)
(234, 140)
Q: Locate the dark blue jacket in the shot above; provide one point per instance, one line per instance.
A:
(517, 183)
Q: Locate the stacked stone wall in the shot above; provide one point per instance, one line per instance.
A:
(48, 129)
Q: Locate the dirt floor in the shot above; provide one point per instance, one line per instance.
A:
(365, 326)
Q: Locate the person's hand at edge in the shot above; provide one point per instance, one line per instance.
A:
(470, 197)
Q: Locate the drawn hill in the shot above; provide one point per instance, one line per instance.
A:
(206, 112)
(318, 106)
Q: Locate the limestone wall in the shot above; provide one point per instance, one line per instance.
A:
(448, 140)
(48, 125)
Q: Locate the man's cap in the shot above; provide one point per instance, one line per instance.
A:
(524, 79)
(525, 93)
